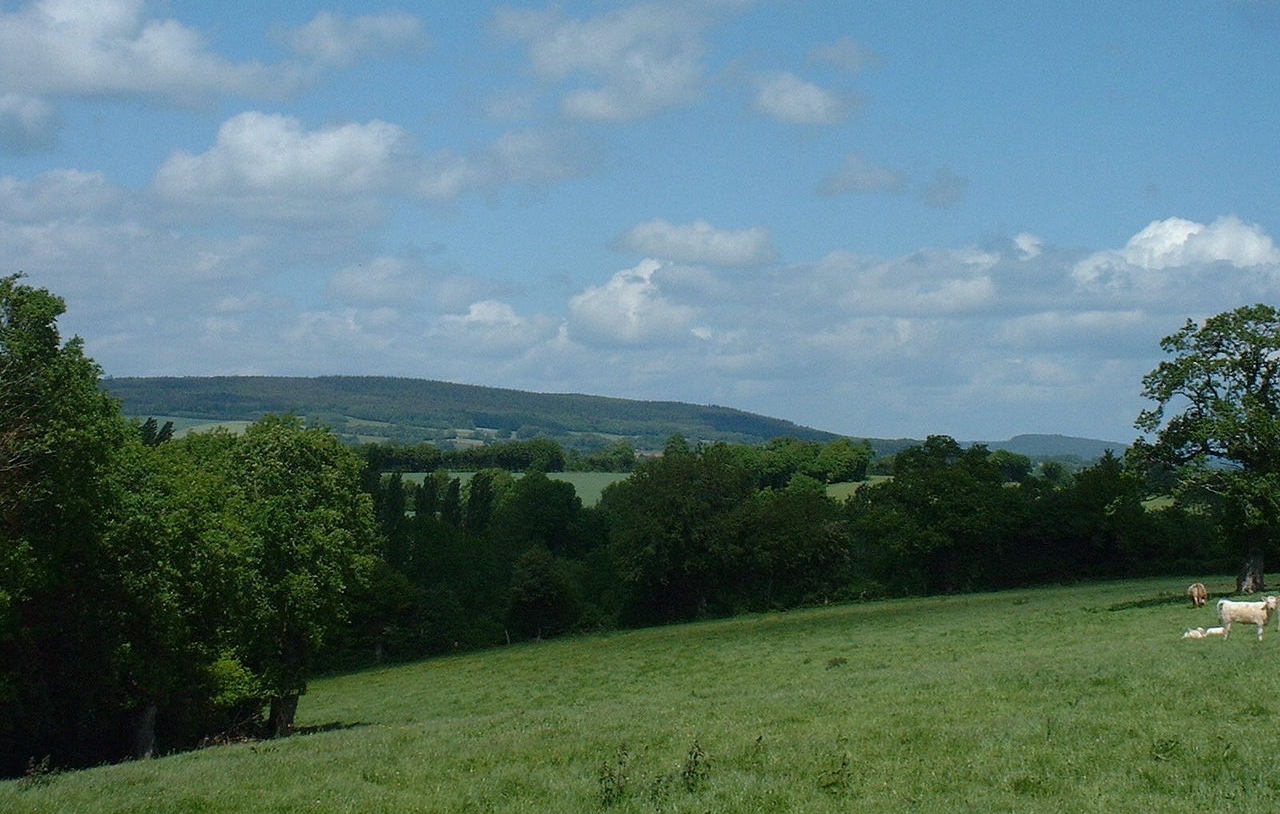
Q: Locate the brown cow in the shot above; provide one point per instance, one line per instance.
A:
(1198, 593)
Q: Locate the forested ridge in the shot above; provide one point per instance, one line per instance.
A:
(159, 592)
(376, 409)
(416, 410)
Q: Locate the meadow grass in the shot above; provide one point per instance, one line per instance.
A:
(589, 486)
(1080, 699)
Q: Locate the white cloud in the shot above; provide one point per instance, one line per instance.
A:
(639, 60)
(109, 48)
(514, 158)
(491, 328)
(269, 166)
(698, 242)
(55, 195)
(384, 281)
(27, 124)
(1029, 245)
(629, 310)
(857, 175)
(1150, 261)
(1179, 242)
(928, 283)
(789, 99)
(332, 39)
(278, 169)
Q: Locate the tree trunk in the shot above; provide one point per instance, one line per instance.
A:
(144, 731)
(1250, 580)
(283, 710)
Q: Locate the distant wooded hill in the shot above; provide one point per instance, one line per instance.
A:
(411, 411)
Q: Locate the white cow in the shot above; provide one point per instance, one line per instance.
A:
(1251, 613)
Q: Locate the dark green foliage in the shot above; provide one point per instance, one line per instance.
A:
(536, 510)
(153, 592)
(153, 435)
(63, 616)
(671, 530)
(544, 600)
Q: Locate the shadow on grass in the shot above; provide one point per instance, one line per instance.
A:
(333, 726)
(1150, 602)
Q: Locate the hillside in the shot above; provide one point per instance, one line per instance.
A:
(411, 411)
(1057, 446)
(1089, 702)
(369, 408)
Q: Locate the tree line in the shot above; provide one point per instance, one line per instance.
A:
(160, 592)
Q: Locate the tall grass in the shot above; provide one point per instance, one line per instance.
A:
(1080, 699)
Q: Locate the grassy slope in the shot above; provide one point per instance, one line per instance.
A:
(1079, 699)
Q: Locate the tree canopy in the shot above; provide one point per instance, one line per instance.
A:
(1216, 422)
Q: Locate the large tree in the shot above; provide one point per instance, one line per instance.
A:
(311, 539)
(1216, 423)
(63, 444)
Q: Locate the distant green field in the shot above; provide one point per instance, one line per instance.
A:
(182, 426)
(840, 491)
(1067, 699)
(588, 485)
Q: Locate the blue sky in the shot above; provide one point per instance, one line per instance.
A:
(876, 218)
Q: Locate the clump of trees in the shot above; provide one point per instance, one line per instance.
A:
(154, 593)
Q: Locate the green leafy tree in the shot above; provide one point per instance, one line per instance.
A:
(1015, 468)
(945, 520)
(795, 548)
(1216, 423)
(312, 538)
(543, 599)
(536, 510)
(842, 461)
(62, 445)
(671, 529)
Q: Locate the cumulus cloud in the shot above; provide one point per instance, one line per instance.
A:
(790, 99)
(1029, 245)
(27, 124)
(514, 158)
(56, 195)
(332, 39)
(384, 281)
(1171, 244)
(491, 328)
(637, 60)
(628, 310)
(1179, 242)
(109, 48)
(274, 167)
(929, 282)
(698, 242)
(857, 175)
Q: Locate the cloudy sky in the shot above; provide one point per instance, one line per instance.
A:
(877, 218)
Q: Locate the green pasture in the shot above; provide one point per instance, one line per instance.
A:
(1066, 699)
(588, 485)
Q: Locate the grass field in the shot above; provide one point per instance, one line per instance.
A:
(1071, 699)
(588, 485)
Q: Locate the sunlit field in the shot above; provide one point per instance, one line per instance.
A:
(588, 485)
(1079, 699)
